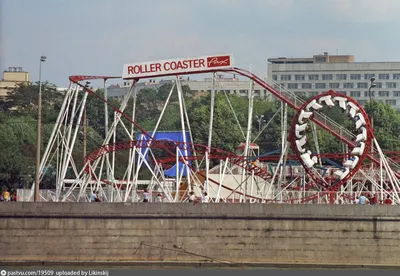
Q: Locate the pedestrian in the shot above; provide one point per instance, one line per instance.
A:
(146, 196)
(6, 195)
(205, 198)
(93, 196)
(388, 201)
(159, 198)
(357, 200)
(191, 197)
(363, 200)
(374, 200)
(98, 197)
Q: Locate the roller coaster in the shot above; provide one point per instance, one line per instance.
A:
(298, 176)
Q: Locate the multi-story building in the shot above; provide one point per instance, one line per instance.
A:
(117, 91)
(311, 76)
(230, 85)
(11, 78)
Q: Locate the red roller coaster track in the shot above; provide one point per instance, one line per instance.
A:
(285, 96)
(292, 137)
(199, 150)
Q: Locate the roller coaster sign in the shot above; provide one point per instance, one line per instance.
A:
(176, 66)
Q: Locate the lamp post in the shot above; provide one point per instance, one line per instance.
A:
(38, 132)
(369, 90)
(85, 124)
(372, 85)
(260, 120)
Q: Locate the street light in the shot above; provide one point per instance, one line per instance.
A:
(38, 132)
(371, 86)
(260, 120)
(85, 123)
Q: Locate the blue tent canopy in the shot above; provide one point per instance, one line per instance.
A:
(173, 136)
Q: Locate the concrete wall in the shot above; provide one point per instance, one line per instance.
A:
(217, 234)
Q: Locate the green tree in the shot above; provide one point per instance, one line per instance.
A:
(226, 132)
(17, 147)
(386, 125)
(23, 100)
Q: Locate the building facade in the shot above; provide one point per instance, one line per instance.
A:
(311, 76)
(11, 78)
(230, 85)
(117, 91)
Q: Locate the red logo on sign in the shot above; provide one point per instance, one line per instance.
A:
(218, 61)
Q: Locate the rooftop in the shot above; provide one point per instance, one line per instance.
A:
(324, 58)
(14, 69)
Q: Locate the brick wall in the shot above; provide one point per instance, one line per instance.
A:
(221, 234)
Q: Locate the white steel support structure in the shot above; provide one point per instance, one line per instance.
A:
(234, 179)
(210, 131)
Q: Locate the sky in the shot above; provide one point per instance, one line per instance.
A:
(96, 37)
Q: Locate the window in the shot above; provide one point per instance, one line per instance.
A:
(299, 77)
(396, 76)
(228, 91)
(355, 94)
(274, 77)
(334, 85)
(383, 76)
(320, 59)
(378, 84)
(355, 76)
(362, 102)
(341, 77)
(391, 102)
(312, 94)
(320, 86)
(306, 85)
(366, 93)
(396, 93)
(257, 92)
(292, 85)
(327, 77)
(342, 92)
(243, 91)
(313, 77)
(391, 85)
(286, 77)
(279, 86)
(362, 85)
(383, 93)
(348, 85)
(369, 76)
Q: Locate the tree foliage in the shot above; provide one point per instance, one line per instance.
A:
(386, 124)
(19, 109)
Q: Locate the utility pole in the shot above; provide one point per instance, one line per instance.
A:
(85, 124)
(371, 117)
(38, 133)
(84, 132)
(106, 126)
(260, 120)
